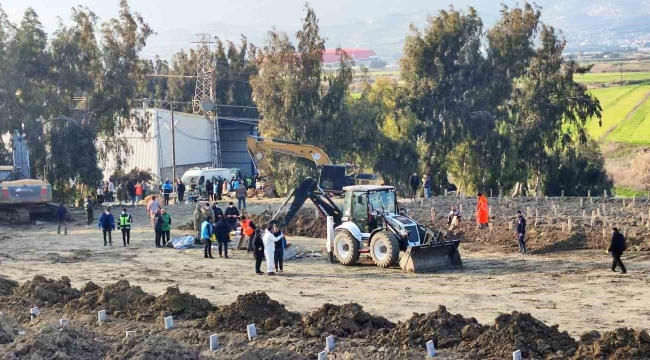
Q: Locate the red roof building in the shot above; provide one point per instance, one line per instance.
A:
(358, 55)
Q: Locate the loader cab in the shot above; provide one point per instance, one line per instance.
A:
(364, 202)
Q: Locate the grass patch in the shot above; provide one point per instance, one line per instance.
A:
(611, 77)
(617, 103)
(628, 193)
(635, 129)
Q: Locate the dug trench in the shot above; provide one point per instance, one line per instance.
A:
(283, 334)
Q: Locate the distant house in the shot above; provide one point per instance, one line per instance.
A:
(361, 57)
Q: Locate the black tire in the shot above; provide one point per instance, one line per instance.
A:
(346, 248)
(384, 249)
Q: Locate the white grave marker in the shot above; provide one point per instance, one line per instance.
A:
(214, 342)
(101, 315)
(322, 355)
(130, 333)
(516, 355)
(34, 312)
(252, 331)
(64, 322)
(329, 343)
(169, 322)
(431, 349)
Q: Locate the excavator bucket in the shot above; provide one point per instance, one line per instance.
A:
(433, 257)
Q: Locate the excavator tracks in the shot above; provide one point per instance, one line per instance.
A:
(16, 216)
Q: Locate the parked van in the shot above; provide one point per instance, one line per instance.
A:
(195, 178)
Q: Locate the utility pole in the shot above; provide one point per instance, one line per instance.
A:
(173, 144)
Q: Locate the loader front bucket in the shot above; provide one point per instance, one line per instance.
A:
(427, 258)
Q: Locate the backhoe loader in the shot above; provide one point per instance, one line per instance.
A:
(372, 224)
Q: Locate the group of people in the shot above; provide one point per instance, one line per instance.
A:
(107, 225)
(415, 182)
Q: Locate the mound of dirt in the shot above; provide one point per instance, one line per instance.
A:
(120, 300)
(621, 344)
(151, 347)
(306, 223)
(342, 321)
(252, 308)
(54, 343)
(181, 305)
(186, 226)
(444, 328)
(7, 286)
(47, 292)
(518, 331)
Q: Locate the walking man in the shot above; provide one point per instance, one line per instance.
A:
(107, 224)
(521, 232)
(414, 183)
(270, 239)
(88, 206)
(222, 230)
(616, 248)
(124, 224)
(206, 234)
(166, 226)
(61, 214)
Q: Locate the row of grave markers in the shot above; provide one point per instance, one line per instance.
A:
(250, 329)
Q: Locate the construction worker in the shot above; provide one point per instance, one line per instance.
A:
(521, 232)
(414, 183)
(616, 247)
(61, 213)
(482, 211)
(88, 206)
(453, 220)
(206, 234)
(107, 224)
(222, 231)
(166, 226)
(258, 251)
(248, 229)
(124, 224)
(158, 227)
(271, 236)
(167, 189)
(199, 218)
(232, 214)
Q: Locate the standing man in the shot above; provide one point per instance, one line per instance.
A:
(232, 214)
(219, 188)
(482, 211)
(198, 220)
(414, 183)
(130, 190)
(280, 245)
(88, 206)
(61, 214)
(209, 189)
(426, 185)
(206, 235)
(167, 190)
(138, 192)
(180, 189)
(111, 191)
(242, 193)
(124, 224)
(258, 251)
(207, 213)
(269, 240)
(158, 227)
(153, 207)
(166, 226)
(217, 212)
(121, 194)
(222, 230)
(100, 194)
(144, 189)
(107, 224)
(521, 232)
(616, 248)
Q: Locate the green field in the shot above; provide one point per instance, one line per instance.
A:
(634, 130)
(617, 103)
(593, 78)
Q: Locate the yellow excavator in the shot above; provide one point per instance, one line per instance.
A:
(20, 196)
(332, 177)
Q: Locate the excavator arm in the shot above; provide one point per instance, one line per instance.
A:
(258, 146)
(308, 189)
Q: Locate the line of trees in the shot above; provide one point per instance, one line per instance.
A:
(484, 108)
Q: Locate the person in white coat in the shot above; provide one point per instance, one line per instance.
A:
(271, 236)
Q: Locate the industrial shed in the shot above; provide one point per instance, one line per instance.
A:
(153, 150)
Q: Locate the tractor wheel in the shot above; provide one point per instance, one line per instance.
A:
(346, 248)
(384, 249)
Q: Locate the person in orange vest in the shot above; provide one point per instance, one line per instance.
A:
(248, 229)
(138, 192)
(482, 211)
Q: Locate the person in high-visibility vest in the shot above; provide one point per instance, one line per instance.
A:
(248, 229)
(124, 224)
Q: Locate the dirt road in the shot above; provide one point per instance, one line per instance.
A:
(573, 289)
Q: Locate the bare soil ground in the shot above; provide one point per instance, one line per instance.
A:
(566, 281)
